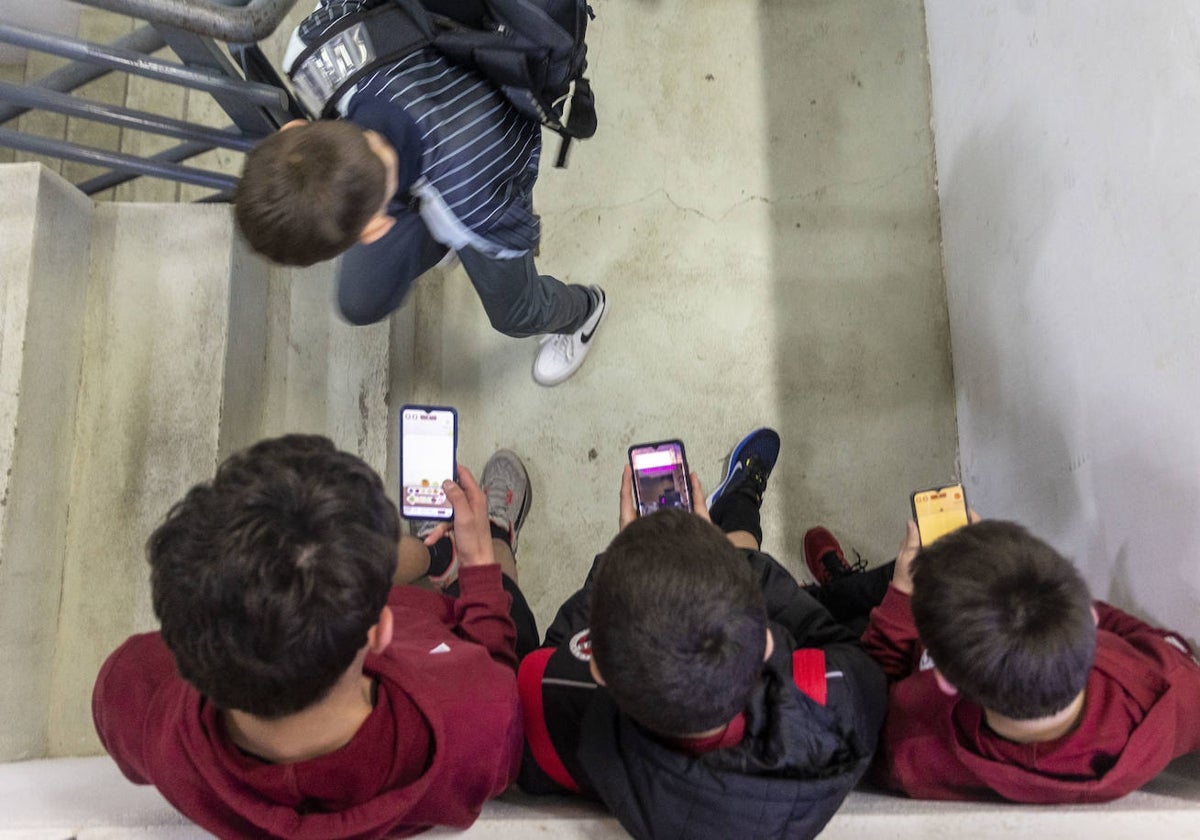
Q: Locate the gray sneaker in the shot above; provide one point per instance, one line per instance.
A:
(506, 483)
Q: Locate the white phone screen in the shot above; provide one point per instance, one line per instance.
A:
(427, 442)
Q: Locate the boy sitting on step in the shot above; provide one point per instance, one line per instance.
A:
(1009, 682)
(293, 691)
(692, 687)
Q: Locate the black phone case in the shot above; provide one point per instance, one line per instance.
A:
(687, 472)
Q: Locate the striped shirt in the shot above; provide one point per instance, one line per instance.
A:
(479, 156)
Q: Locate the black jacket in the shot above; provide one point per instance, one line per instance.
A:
(795, 764)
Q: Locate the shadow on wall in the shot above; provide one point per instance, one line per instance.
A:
(862, 335)
(993, 197)
(1049, 438)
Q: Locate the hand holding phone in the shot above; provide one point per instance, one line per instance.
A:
(472, 529)
(939, 510)
(660, 476)
(428, 443)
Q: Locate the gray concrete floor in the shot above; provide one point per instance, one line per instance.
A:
(759, 204)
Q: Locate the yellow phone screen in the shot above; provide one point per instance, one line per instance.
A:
(939, 511)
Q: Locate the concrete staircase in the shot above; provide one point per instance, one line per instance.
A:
(139, 345)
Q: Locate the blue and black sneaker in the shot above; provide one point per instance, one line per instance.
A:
(750, 465)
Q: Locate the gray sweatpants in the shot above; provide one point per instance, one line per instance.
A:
(518, 301)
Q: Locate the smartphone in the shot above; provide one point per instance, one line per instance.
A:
(939, 510)
(428, 443)
(660, 476)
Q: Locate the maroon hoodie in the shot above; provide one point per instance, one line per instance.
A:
(1142, 709)
(447, 678)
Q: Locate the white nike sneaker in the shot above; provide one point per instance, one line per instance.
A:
(561, 355)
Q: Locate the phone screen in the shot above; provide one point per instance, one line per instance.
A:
(660, 476)
(939, 510)
(428, 437)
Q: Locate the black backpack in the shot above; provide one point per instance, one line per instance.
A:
(532, 50)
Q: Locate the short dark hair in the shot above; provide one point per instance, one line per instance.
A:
(678, 624)
(1006, 619)
(266, 579)
(306, 193)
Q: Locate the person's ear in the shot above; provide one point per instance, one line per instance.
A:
(595, 669)
(380, 634)
(292, 124)
(377, 226)
(770, 646)
(945, 685)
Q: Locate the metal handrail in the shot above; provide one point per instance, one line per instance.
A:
(152, 68)
(73, 76)
(243, 24)
(236, 74)
(117, 160)
(61, 103)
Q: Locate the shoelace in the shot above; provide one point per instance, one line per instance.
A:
(561, 345)
(859, 564)
(497, 505)
(756, 477)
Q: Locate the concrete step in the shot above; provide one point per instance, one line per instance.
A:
(141, 344)
(89, 799)
(44, 269)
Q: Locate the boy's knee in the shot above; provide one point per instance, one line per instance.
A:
(360, 317)
(359, 312)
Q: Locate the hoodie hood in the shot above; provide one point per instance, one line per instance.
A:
(1118, 670)
(785, 779)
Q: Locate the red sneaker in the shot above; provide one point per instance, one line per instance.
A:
(823, 554)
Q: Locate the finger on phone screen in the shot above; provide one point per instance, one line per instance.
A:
(454, 494)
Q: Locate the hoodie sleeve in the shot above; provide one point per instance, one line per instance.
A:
(122, 696)
(481, 613)
(891, 635)
(857, 690)
(1177, 662)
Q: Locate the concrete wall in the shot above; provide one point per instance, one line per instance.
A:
(1066, 136)
(43, 279)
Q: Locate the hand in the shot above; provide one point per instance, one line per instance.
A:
(909, 547)
(472, 530)
(628, 511)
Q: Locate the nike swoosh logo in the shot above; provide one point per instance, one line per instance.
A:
(586, 337)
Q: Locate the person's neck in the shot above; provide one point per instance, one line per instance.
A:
(320, 729)
(1038, 730)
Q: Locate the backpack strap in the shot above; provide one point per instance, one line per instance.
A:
(808, 673)
(353, 47)
(537, 733)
